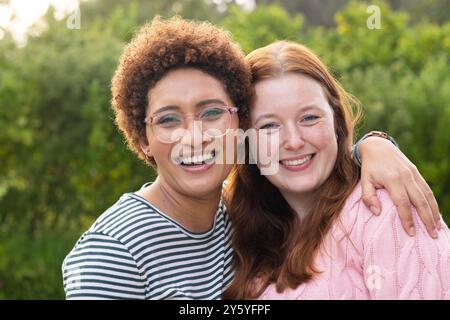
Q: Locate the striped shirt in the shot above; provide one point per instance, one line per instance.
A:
(135, 251)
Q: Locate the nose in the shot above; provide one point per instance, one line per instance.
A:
(193, 136)
(292, 137)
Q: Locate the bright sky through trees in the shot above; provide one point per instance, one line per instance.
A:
(17, 16)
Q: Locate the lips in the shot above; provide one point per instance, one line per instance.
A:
(298, 163)
(198, 164)
(197, 159)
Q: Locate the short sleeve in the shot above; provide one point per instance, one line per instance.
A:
(101, 267)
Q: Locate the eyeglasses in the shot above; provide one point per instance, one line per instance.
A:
(170, 126)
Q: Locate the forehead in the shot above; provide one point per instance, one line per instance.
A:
(186, 86)
(288, 90)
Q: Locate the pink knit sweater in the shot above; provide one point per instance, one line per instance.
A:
(369, 257)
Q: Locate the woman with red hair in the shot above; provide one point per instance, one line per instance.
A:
(311, 237)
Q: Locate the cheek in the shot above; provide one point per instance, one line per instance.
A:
(265, 150)
(326, 143)
(322, 136)
(160, 151)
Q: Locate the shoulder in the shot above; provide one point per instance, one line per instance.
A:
(358, 222)
(385, 235)
(394, 263)
(101, 267)
(128, 213)
(111, 229)
(355, 202)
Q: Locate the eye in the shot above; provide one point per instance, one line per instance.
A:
(309, 118)
(212, 113)
(269, 128)
(168, 120)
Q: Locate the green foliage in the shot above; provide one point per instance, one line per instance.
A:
(262, 26)
(63, 162)
(62, 159)
(401, 75)
(32, 269)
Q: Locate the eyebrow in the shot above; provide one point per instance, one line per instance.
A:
(302, 109)
(197, 105)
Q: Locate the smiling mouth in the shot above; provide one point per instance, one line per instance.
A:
(199, 159)
(297, 162)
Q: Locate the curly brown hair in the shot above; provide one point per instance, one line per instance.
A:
(164, 45)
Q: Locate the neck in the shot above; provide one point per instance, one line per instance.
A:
(300, 202)
(194, 213)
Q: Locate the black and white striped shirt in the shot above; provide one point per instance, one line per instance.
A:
(135, 251)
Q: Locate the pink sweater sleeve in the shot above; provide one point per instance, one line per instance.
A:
(397, 266)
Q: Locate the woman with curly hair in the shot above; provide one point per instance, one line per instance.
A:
(313, 238)
(180, 87)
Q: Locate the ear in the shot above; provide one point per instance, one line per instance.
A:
(146, 148)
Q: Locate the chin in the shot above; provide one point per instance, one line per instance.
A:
(305, 185)
(202, 184)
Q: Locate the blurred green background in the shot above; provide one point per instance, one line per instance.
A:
(63, 162)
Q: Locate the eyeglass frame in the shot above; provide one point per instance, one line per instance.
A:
(231, 110)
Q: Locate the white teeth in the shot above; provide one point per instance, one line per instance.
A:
(197, 159)
(296, 162)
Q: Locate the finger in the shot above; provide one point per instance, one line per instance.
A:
(401, 201)
(432, 202)
(370, 198)
(418, 199)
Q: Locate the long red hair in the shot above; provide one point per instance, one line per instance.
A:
(270, 243)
